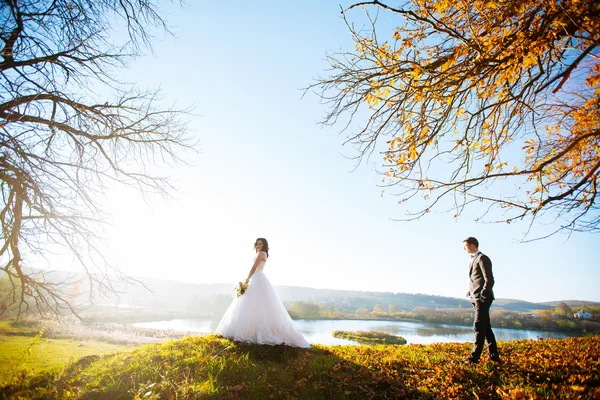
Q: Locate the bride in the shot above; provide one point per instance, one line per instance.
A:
(259, 316)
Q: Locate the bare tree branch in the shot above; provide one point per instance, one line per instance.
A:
(60, 144)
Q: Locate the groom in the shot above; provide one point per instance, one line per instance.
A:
(481, 295)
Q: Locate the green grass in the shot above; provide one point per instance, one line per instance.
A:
(370, 337)
(21, 328)
(213, 367)
(25, 351)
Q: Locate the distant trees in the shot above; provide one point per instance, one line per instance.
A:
(68, 127)
(305, 309)
(506, 319)
(362, 312)
(565, 309)
(479, 102)
(378, 308)
(392, 308)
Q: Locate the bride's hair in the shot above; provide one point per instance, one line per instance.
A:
(265, 245)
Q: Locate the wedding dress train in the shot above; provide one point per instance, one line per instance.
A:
(260, 317)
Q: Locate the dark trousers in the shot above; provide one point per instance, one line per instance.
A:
(483, 330)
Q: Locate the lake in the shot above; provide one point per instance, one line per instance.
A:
(319, 331)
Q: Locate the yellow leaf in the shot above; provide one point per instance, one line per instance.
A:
(415, 73)
(592, 80)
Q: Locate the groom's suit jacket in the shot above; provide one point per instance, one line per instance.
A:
(481, 277)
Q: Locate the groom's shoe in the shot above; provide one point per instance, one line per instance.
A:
(495, 358)
(470, 360)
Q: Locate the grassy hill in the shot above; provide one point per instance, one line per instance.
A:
(24, 350)
(213, 367)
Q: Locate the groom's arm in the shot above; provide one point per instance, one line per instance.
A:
(485, 264)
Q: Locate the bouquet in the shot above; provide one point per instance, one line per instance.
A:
(241, 288)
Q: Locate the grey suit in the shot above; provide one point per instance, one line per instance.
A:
(481, 294)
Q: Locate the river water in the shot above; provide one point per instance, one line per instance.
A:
(319, 331)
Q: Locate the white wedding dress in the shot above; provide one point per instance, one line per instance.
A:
(259, 316)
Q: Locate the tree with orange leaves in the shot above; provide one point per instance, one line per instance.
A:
(488, 101)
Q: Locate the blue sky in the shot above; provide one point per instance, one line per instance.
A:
(266, 168)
